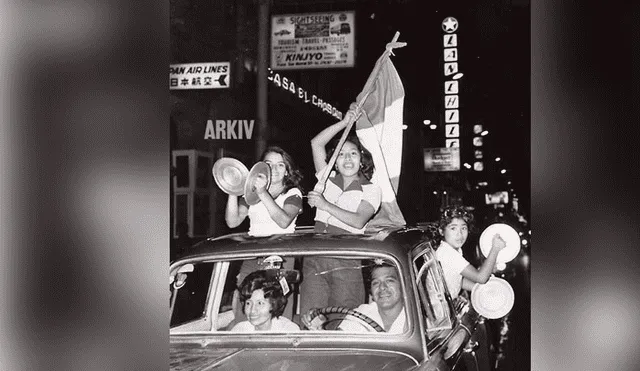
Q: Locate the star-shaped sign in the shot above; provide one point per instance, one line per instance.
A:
(450, 25)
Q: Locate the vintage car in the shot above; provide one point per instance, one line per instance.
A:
(438, 333)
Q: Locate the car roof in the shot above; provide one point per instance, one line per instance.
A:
(395, 240)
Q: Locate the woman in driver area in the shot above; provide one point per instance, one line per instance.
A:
(263, 303)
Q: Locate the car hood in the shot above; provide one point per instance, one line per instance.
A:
(197, 358)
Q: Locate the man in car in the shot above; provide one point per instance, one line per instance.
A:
(387, 308)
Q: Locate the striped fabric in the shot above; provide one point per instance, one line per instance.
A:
(379, 128)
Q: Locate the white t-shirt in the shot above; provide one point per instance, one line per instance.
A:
(261, 223)
(453, 263)
(371, 310)
(279, 324)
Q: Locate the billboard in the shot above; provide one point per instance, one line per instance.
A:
(501, 197)
(205, 75)
(442, 159)
(312, 40)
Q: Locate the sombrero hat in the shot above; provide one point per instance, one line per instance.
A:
(230, 175)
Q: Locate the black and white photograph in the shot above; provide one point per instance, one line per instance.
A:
(350, 185)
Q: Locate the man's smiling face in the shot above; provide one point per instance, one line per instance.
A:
(385, 287)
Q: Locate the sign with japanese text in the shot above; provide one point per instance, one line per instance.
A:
(312, 40)
(205, 75)
(442, 159)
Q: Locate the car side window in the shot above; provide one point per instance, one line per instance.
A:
(229, 304)
(191, 298)
(431, 289)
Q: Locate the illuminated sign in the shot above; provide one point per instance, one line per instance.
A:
(290, 86)
(452, 142)
(442, 159)
(451, 115)
(501, 197)
(450, 101)
(448, 158)
(209, 75)
(452, 130)
(449, 25)
(313, 40)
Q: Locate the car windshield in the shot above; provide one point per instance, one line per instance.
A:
(334, 291)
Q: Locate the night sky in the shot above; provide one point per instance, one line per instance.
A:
(494, 55)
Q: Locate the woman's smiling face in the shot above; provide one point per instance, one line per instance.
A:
(258, 310)
(348, 161)
(278, 167)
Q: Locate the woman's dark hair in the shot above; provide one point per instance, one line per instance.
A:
(365, 156)
(294, 176)
(258, 280)
(452, 212)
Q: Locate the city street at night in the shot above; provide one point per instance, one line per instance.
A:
(435, 96)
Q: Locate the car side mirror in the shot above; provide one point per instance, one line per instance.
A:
(179, 278)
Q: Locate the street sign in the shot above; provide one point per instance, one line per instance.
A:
(206, 75)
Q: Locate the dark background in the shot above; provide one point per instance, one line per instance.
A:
(84, 188)
(494, 55)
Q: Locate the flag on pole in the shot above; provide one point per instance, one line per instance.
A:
(379, 128)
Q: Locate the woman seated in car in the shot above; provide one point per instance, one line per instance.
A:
(263, 302)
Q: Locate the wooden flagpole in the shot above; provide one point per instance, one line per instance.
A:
(368, 88)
